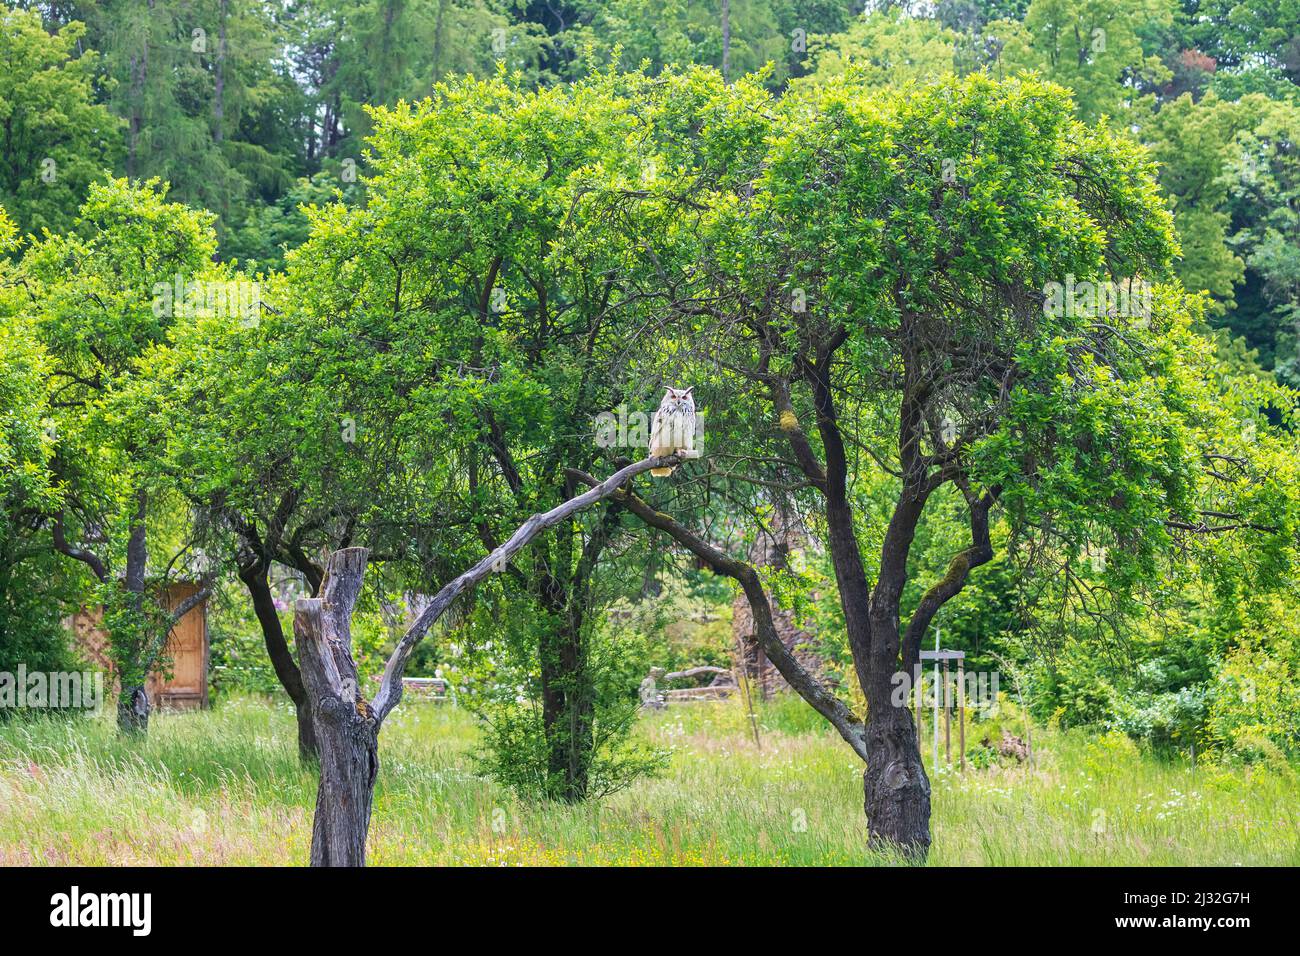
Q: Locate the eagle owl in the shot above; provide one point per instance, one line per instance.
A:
(673, 428)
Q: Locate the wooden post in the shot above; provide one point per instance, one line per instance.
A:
(947, 716)
(1029, 734)
(920, 705)
(961, 712)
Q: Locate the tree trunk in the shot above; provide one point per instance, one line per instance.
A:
(277, 648)
(346, 728)
(567, 712)
(133, 702)
(219, 79)
(133, 711)
(568, 694)
(726, 41)
(897, 791)
(349, 764)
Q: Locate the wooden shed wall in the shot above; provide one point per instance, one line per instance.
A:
(187, 647)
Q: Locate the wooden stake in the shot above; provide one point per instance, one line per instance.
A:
(920, 679)
(1029, 733)
(947, 716)
(961, 712)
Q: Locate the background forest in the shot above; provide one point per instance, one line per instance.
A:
(273, 149)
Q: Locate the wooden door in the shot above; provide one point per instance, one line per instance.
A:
(187, 648)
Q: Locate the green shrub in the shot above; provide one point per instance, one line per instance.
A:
(1255, 707)
(497, 673)
(32, 634)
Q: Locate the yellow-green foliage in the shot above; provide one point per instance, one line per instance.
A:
(1254, 710)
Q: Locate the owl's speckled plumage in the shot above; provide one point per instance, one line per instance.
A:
(673, 428)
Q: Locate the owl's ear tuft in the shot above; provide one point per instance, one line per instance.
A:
(688, 391)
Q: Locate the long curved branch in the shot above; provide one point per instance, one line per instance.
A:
(88, 558)
(390, 688)
(952, 583)
(848, 724)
